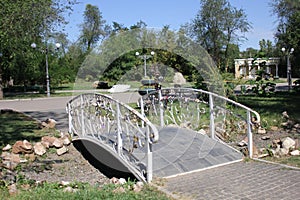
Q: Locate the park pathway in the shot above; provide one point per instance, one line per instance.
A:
(241, 180)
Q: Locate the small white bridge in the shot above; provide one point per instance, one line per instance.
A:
(177, 130)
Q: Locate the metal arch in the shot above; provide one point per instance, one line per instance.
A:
(125, 131)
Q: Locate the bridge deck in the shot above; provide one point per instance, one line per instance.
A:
(181, 151)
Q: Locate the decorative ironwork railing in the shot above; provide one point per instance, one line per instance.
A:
(201, 111)
(121, 128)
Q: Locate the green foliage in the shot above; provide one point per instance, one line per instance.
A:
(288, 29)
(22, 23)
(216, 27)
(92, 29)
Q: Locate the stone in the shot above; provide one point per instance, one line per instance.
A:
(7, 147)
(27, 145)
(65, 183)
(285, 115)
(21, 147)
(122, 181)
(288, 143)
(39, 149)
(265, 137)
(49, 140)
(295, 153)
(178, 79)
(138, 186)
(276, 142)
(31, 157)
(15, 158)
(202, 131)
(261, 131)
(45, 144)
(274, 128)
(283, 152)
(289, 124)
(114, 180)
(185, 124)
(10, 160)
(49, 123)
(297, 126)
(62, 150)
(244, 142)
(58, 143)
(70, 189)
(66, 141)
(12, 189)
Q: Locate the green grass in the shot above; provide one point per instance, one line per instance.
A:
(84, 191)
(16, 126)
(271, 108)
(287, 160)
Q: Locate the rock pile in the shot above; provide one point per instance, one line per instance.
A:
(24, 151)
(123, 187)
(284, 147)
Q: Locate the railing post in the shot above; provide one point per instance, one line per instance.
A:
(142, 109)
(82, 115)
(119, 137)
(69, 119)
(249, 132)
(161, 109)
(211, 117)
(149, 156)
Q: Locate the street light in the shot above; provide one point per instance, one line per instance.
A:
(289, 68)
(57, 45)
(145, 57)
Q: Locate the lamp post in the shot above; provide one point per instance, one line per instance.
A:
(57, 45)
(289, 68)
(145, 57)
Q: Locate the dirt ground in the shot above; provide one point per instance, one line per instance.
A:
(70, 167)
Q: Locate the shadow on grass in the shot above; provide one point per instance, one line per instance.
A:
(272, 106)
(16, 126)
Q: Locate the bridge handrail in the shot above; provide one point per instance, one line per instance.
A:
(118, 125)
(249, 119)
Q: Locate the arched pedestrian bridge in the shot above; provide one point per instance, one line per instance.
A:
(175, 131)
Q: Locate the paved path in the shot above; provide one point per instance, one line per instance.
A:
(54, 107)
(242, 180)
(180, 150)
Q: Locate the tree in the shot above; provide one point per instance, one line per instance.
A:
(22, 23)
(93, 27)
(216, 27)
(288, 29)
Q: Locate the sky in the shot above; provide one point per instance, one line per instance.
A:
(158, 13)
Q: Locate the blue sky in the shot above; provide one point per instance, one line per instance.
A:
(157, 13)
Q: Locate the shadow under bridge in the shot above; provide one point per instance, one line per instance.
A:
(176, 131)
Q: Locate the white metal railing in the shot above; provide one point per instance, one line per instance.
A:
(201, 111)
(116, 125)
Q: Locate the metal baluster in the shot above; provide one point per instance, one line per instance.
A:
(212, 119)
(149, 156)
(119, 130)
(249, 132)
(161, 109)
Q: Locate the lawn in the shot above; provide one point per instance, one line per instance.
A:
(271, 108)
